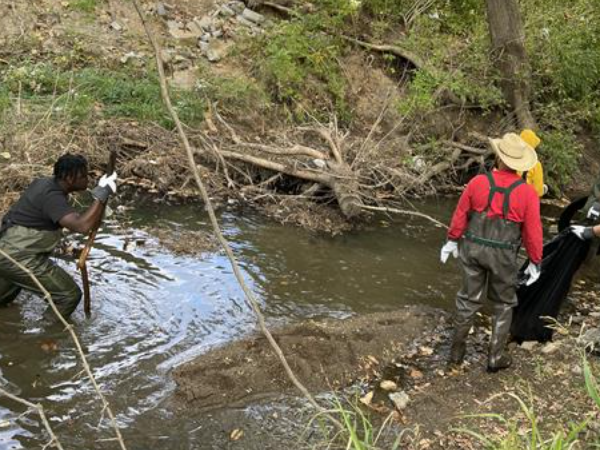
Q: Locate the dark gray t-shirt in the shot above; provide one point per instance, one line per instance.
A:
(41, 206)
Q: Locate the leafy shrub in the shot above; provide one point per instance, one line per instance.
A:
(559, 153)
(563, 47)
(299, 62)
(455, 62)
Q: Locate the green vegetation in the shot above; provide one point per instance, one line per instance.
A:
(299, 63)
(357, 431)
(237, 93)
(87, 6)
(529, 435)
(559, 155)
(4, 99)
(562, 43)
(79, 95)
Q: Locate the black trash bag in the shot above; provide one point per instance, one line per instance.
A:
(563, 256)
(568, 213)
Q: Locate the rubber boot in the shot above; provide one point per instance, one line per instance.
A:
(458, 349)
(497, 358)
(462, 325)
(466, 309)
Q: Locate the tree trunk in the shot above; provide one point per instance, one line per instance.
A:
(338, 177)
(508, 50)
(346, 188)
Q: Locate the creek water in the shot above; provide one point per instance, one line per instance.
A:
(153, 309)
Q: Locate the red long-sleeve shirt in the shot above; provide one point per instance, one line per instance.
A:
(524, 209)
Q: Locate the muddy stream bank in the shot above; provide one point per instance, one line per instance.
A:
(154, 308)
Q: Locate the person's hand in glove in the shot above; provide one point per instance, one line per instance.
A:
(594, 212)
(450, 248)
(106, 187)
(533, 272)
(583, 233)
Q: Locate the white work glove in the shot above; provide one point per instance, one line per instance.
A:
(583, 233)
(450, 248)
(106, 187)
(533, 272)
(594, 212)
(110, 181)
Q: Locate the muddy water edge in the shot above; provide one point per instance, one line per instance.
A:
(154, 309)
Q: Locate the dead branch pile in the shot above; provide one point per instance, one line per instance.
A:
(318, 176)
(322, 164)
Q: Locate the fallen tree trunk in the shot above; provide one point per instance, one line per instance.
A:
(339, 178)
(292, 171)
(345, 186)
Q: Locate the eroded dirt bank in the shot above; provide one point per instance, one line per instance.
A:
(325, 354)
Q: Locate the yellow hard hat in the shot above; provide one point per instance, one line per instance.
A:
(530, 137)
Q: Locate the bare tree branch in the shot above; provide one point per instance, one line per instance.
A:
(40, 410)
(406, 213)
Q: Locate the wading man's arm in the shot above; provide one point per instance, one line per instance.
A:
(83, 223)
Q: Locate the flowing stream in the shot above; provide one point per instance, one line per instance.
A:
(153, 310)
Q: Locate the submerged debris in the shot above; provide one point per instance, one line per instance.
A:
(185, 242)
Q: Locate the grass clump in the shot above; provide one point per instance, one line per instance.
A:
(237, 93)
(529, 436)
(79, 95)
(523, 431)
(86, 6)
(357, 431)
(5, 101)
(299, 60)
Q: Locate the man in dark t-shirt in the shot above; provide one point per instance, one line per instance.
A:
(31, 230)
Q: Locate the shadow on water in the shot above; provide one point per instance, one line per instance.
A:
(152, 310)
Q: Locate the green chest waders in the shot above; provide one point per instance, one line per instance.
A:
(488, 253)
(32, 248)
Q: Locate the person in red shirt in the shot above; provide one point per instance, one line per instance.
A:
(496, 212)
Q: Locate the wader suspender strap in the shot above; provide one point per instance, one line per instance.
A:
(506, 191)
(505, 209)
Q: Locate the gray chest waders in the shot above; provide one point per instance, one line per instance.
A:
(488, 253)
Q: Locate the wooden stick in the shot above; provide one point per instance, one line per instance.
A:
(406, 213)
(470, 149)
(81, 263)
(393, 49)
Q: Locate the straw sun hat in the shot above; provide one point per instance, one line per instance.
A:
(514, 152)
